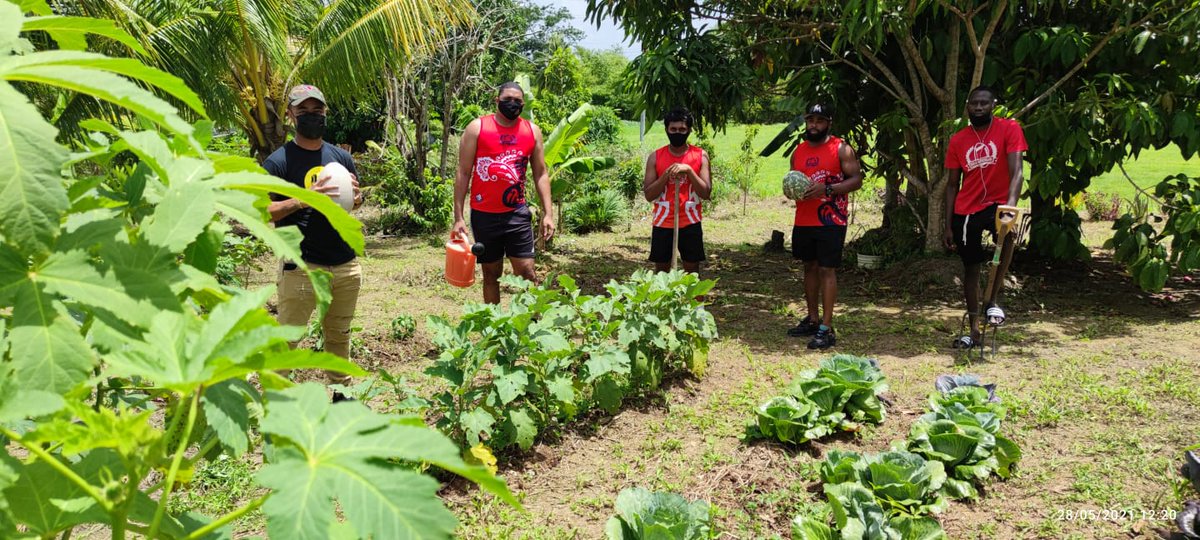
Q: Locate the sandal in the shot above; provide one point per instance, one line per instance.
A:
(995, 315)
(964, 342)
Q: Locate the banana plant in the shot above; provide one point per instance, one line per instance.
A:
(563, 160)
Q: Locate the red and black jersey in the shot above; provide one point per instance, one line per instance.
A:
(501, 158)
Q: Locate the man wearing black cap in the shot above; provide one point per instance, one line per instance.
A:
(819, 230)
(300, 162)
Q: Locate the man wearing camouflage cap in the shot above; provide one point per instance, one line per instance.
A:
(300, 161)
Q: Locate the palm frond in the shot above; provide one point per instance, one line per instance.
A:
(354, 41)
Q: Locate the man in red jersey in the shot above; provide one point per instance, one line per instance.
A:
(677, 178)
(819, 230)
(493, 155)
(985, 157)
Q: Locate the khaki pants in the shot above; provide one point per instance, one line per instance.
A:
(297, 301)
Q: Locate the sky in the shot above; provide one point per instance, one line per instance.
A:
(605, 37)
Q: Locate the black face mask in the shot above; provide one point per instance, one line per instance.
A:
(980, 120)
(311, 126)
(678, 139)
(816, 136)
(511, 109)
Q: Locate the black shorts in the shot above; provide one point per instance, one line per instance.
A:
(691, 243)
(509, 233)
(968, 234)
(821, 243)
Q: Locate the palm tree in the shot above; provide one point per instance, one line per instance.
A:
(241, 55)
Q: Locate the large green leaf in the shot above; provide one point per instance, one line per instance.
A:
(226, 411)
(181, 216)
(349, 228)
(47, 351)
(97, 83)
(71, 276)
(17, 403)
(341, 452)
(562, 141)
(71, 32)
(32, 196)
(46, 502)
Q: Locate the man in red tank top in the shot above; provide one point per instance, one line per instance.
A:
(819, 230)
(985, 157)
(493, 156)
(677, 178)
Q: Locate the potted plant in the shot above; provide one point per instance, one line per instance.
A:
(871, 248)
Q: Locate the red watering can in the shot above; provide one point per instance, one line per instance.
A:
(460, 261)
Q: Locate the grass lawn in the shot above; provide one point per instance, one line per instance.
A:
(1147, 170)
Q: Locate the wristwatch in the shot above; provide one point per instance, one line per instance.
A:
(828, 190)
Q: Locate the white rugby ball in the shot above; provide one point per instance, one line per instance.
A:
(337, 174)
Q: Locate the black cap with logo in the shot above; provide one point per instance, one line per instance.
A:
(819, 109)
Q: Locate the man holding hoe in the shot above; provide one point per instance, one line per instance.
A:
(677, 177)
(985, 158)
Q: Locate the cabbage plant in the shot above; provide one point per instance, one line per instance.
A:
(643, 514)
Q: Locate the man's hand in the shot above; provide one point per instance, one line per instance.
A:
(816, 190)
(547, 227)
(680, 168)
(358, 196)
(948, 239)
(458, 230)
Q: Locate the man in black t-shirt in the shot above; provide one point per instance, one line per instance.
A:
(300, 162)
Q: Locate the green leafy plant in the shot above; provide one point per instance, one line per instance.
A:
(903, 482)
(858, 514)
(645, 515)
(553, 353)
(791, 420)
(123, 361)
(1151, 252)
(402, 327)
(841, 394)
(596, 211)
(963, 432)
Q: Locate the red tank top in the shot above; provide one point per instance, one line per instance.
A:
(823, 165)
(664, 206)
(501, 157)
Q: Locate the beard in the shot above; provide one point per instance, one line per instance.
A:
(815, 136)
(980, 120)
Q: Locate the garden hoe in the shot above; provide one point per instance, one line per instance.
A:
(675, 240)
(1010, 228)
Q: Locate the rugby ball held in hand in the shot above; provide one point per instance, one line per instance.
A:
(795, 183)
(337, 175)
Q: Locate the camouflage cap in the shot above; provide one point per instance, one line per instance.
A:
(301, 92)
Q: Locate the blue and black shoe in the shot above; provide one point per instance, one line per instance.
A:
(824, 339)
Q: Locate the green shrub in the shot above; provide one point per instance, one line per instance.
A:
(1102, 206)
(403, 327)
(630, 175)
(596, 211)
(605, 127)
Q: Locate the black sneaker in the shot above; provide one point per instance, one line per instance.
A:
(806, 327)
(339, 397)
(823, 340)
